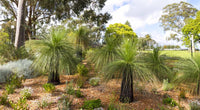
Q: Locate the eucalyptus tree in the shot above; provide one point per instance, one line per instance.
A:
(175, 15)
(54, 54)
(189, 73)
(128, 67)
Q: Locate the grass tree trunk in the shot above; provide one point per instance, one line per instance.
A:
(54, 78)
(198, 85)
(20, 29)
(126, 95)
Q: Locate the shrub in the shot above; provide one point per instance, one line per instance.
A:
(69, 88)
(194, 106)
(94, 81)
(166, 86)
(182, 94)
(81, 81)
(44, 102)
(169, 101)
(15, 80)
(49, 87)
(91, 104)
(78, 93)
(26, 92)
(20, 105)
(82, 70)
(10, 89)
(20, 67)
(65, 103)
(4, 99)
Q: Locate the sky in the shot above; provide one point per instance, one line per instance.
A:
(144, 16)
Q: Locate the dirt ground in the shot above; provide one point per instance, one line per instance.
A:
(107, 92)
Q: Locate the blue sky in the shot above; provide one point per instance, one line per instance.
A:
(143, 15)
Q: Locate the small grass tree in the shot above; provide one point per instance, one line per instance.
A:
(129, 68)
(54, 54)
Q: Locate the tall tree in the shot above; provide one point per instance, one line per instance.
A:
(20, 29)
(175, 15)
(39, 12)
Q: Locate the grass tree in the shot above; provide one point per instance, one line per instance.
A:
(81, 39)
(159, 64)
(105, 55)
(129, 68)
(189, 73)
(54, 54)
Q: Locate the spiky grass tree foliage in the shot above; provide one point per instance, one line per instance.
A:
(127, 66)
(54, 54)
(81, 40)
(107, 54)
(189, 73)
(159, 64)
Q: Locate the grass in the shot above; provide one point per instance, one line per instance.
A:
(177, 53)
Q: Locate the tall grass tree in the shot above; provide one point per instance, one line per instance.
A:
(129, 68)
(54, 54)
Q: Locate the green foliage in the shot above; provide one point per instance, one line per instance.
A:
(70, 88)
(26, 92)
(94, 81)
(194, 106)
(189, 73)
(81, 81)
(146, 42)
(65, 103)
(91, 104)
(49, 87)
(82, 70)
(20, 105)
(169, 101)
(15, 80)
(119, 31)
(166, 86)
(54, 54)
(78, 93)
(4, 99)
(10, 88)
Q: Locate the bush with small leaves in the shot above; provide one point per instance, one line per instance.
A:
(94, 81)
(70, 88)
(15, 80)
(91, 104)
(194, 105)
(44, 102)
(78, 93)
(4, 99)
(81, 81)
(169, 101)
(65, 102)
(49, 87)
(26, 92)
(82, 70)
(20, 105)
(10, 89)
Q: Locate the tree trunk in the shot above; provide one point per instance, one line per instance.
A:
(54, 78)
(198, 85)
(20, 29)
(126, 95)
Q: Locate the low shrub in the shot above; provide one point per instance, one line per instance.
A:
(20, 67)
(65, 102)
(44, 101)
(15, 80)
(4, 99)
(10, 89)
(81, 81)
(194, 105)
(169, 101)
(94, 81)
(78, 93)
(26, 92)
(49, 87)
(166, 86)
(91, 104)
(20, 105)
(82, 70)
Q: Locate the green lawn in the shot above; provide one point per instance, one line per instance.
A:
(173, 53)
